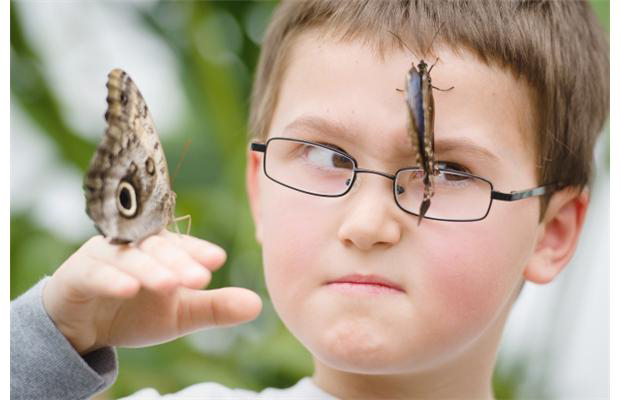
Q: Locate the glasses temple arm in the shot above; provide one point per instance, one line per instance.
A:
(524, 194)
(258, 147)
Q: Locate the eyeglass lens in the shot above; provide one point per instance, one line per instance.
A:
(308, 167)
(318, 170)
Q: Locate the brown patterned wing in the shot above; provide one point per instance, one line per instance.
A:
(421, 108)
(416, 114)
(127, 186)
(429, 118)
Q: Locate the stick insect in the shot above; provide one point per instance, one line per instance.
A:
(421, 106)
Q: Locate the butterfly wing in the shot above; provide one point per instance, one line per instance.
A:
(421, 108)
(429, 119)
(127, 185)
(416, 113)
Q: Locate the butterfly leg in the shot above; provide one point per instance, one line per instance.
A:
(443, 90)
(435, 87)
(187, 217)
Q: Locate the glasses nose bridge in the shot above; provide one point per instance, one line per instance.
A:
(357, 170)
(370, 171)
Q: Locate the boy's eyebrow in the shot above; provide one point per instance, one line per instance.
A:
(463, 145)
(321, 125)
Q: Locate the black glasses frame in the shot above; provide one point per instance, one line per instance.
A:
(495, 195)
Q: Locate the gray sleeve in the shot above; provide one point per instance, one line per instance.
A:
(44, 365)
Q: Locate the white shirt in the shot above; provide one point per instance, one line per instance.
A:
(304, 389)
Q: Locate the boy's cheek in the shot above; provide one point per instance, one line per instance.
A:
(462, 277)
(471, 277)
(293, 231)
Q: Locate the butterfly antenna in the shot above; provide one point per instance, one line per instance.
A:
(188, 142)
(434, 37)
(402, 42)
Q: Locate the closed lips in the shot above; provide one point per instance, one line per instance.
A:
(370, 280)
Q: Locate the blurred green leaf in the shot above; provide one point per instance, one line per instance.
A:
(601, 9)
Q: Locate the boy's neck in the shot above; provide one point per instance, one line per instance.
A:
(467, 376)
(473, 384)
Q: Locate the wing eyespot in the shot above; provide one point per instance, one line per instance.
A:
(150, 166)
(126, 200)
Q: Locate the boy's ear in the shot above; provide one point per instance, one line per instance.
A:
(252, 174)
(558, 235)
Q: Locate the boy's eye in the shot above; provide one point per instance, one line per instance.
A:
(453, 166)
(325, 158)
(446, 176)
(333, 146)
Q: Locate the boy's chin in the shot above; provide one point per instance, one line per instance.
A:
(359, 363)
(359, 351)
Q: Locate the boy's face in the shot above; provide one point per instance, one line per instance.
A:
(453, 281)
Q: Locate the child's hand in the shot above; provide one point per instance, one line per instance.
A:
(136, 295)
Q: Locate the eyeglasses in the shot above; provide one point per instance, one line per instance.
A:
(321, 170)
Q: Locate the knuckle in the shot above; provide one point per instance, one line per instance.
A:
(94, 243)
(152, 242)
(164, 251)
(91, 271)
(172, 255)
(97, 239)
(164, 282)
(133, 258)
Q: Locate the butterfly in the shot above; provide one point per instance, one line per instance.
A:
(421, 107)
(127, 185)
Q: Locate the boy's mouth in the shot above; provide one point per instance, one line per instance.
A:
(367, 283)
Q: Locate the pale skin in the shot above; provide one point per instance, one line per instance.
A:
(437, 337)
(142, 294)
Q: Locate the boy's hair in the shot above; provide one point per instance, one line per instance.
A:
(557, 47)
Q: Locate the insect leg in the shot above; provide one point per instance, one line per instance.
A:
(443, 90)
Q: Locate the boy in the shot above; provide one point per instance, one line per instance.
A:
(388, 308)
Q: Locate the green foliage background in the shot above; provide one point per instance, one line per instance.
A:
(209, 186)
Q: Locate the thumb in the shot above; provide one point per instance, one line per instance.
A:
(199, 309)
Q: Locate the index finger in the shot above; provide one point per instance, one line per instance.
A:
(206, 253)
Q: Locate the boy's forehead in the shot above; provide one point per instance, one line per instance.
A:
(350, 84)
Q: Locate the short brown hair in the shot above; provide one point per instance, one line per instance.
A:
(558, 47)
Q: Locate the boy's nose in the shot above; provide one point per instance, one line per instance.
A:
(372, 217)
